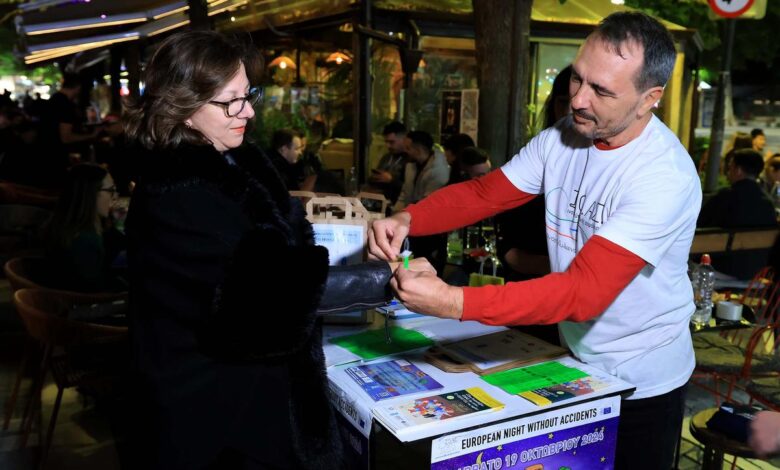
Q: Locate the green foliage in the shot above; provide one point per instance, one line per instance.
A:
(48, 74)
(11, 65)
(271, 120)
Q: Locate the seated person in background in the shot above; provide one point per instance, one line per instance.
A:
(740, 141)
(771, 177)
(314, 174)
(426, 172)
(388, 176)
(743, 204)
(473, 162)
(453, 146)
(758, 143)
(286, 149)
(79, 249)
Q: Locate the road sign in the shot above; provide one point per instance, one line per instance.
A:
(730, 8)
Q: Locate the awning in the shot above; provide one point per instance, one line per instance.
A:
(50, 29)
(289, 12)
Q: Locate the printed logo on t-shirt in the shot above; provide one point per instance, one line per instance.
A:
(568, 217)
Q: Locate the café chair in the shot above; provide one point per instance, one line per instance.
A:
(13, 193)
(77, 354)
(29, 273)
(731, 358)
(765, 390)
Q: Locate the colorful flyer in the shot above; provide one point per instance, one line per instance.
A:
(565, 391)
(391, 379)
(436, 408)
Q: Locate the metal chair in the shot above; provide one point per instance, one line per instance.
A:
(78, 354)
(733, 357)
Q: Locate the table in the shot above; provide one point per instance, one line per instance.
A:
(715, 443)
(716, 324)
(521, 435)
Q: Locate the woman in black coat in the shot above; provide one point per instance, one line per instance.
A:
(225, 280)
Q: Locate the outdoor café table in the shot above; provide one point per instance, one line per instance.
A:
(579, 432)
(717, 324)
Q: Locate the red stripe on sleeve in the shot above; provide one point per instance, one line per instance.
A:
(465, 203)
(599, 272)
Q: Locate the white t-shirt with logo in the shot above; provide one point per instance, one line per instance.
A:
(645, 197)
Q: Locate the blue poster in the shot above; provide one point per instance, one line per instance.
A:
(590, 447)
(582, 436)
(390, 379)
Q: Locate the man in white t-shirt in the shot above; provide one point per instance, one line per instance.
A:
(621, 197)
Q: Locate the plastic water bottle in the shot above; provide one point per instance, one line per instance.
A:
(352, 183)
(703, 285)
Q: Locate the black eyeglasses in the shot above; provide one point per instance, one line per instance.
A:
(111, 190)
(234, 107)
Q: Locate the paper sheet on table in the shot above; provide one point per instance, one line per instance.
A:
(373, 343)
(335, 355)
(542, 375)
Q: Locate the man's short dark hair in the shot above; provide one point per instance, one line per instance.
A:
(657, 44)
(282, 138)
(456, 143)
(394, 127)
(421, 138)
(756, 132)
(750, 161)
(471, 156)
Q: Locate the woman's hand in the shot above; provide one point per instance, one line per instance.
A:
(416, 264)
(423, 292)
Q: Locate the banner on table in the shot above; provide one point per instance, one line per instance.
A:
(573, 437)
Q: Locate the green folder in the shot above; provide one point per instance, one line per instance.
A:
(542, 375)
(373, 343)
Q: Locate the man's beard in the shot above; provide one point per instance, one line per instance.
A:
(600, 134)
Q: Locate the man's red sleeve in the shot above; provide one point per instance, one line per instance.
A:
(465, 203)
(599, 272)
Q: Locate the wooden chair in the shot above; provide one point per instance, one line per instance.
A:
(338, 156)
(710, 242)
(12, 193)
(733, 357)
(27, 273)
(70, 353)
(31, 272)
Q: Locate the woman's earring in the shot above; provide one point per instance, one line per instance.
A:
(188, 124)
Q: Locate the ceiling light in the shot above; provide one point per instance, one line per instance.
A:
(339, 58)
(283, 62)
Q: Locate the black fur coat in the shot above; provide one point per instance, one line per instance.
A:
(225, 280)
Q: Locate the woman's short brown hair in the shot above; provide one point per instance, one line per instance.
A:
(186, 72)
